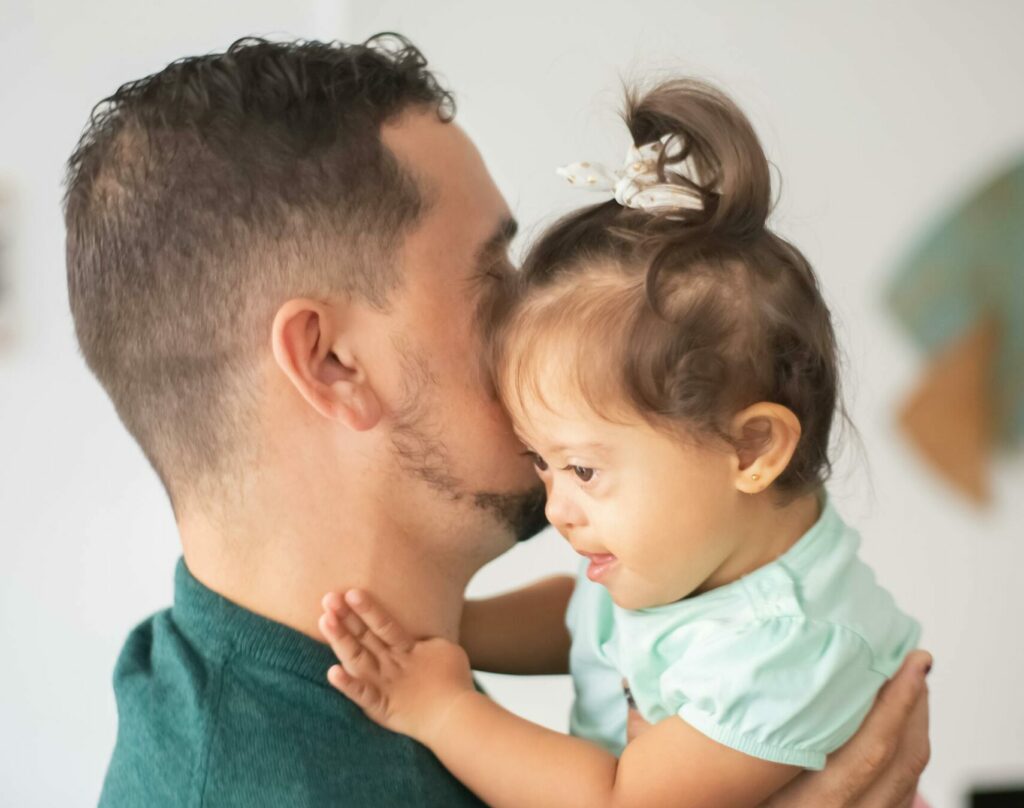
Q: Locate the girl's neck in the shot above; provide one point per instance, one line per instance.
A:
(768, 531)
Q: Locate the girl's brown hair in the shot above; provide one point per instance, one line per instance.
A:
(684, 317)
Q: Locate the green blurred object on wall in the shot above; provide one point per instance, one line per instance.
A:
(959, 293)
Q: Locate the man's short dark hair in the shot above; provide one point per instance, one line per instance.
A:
(202, 197)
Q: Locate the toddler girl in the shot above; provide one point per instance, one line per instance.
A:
(670, 365)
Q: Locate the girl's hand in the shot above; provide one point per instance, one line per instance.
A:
(404, 685)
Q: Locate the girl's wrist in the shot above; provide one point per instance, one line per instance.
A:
(444, 723)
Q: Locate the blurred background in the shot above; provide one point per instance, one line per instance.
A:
(886, 121)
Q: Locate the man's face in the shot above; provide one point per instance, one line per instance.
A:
(449, 432)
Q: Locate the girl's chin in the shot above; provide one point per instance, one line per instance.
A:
(632, 600)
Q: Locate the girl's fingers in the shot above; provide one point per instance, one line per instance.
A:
(351, 653)
(334, 602)
(375, 644)
(378, 620)
(355, 689)
(365, 695)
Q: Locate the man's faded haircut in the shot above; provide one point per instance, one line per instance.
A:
(202, 197)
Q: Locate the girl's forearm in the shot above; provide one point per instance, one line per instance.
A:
(508, 761)
(521, 632)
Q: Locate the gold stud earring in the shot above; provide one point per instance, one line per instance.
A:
(755, 477)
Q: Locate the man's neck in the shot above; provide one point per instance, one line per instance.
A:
(282, 570)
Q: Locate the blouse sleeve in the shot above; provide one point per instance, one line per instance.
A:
(788, 689)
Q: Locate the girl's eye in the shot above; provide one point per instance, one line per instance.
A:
(584, 473)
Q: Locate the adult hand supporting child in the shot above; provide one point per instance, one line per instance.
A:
(882, 763)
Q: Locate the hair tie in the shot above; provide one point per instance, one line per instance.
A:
(637, 185)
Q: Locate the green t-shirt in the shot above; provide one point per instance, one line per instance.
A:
(218, 706)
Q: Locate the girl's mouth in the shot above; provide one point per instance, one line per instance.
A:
(600, 565)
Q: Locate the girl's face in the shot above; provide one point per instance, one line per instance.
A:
(659, 518)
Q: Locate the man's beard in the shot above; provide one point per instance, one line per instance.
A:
(424, 456)
(522, 513)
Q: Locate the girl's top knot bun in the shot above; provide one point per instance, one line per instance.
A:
(714, 144)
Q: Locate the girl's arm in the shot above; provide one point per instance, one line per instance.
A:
(425, 690)
(521, 632)
(508, 761)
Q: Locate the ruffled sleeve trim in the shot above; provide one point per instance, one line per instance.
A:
(706, 725)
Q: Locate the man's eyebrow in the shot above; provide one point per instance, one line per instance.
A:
(497, 242)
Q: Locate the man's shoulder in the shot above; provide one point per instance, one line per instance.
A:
(207, 725)
(157, 680)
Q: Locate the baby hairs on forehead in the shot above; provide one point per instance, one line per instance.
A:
(557, 347)
(683, 317)
(568, 345)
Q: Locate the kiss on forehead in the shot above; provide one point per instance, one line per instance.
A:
(347, 429)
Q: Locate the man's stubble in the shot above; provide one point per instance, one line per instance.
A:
(422, 454)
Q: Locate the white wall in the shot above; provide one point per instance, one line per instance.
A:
(874, 115)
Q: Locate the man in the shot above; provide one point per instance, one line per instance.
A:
(278, 261)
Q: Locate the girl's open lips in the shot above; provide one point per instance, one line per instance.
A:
(600, 565)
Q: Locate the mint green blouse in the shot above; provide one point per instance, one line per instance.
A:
(782, 664)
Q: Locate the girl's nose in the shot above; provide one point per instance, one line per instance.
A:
(560, 510)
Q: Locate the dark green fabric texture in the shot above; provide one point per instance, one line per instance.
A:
(218, 706)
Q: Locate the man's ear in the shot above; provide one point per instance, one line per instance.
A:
(766, 436)
(310, 346)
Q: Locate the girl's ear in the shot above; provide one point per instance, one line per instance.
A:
(766, 436)
(310, 346)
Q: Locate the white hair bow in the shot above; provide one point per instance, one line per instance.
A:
(636, 184)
